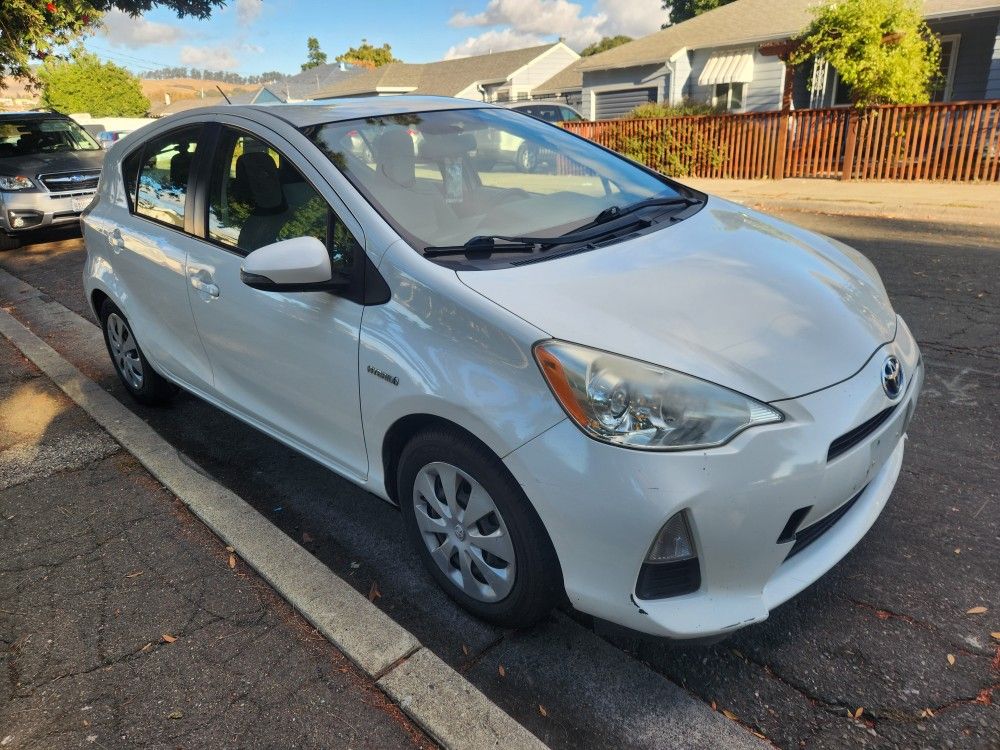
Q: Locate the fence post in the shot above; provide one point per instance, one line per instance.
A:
(850, 140)
(784, 120)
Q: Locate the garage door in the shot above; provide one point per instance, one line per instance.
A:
(612, 104)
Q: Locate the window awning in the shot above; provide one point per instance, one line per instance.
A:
(731, 66)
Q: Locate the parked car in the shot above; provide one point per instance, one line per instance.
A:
(108, 137)
(594, 384)
(49, 168)
(548, 111)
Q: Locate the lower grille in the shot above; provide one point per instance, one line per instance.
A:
(849, 439)
(60, 182)
(808, 535)
(662, 580)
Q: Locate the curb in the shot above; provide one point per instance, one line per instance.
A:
(442, 702)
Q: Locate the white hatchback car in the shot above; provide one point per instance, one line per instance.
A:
(591, 381)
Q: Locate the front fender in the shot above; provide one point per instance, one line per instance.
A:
(438, 348)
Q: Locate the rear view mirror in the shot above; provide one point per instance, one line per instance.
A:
(301, 264)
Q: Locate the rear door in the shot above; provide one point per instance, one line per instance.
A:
(285, 361)
(148, 241)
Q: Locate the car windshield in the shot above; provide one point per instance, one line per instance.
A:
(443, 177)
(43, 136)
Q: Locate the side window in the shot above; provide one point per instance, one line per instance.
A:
(569, 115)
(258, 197)
(163, 176)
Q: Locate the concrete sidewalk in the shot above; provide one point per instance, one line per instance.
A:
(973, 204)
(124, 622)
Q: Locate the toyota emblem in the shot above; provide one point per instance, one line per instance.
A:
(892, 377)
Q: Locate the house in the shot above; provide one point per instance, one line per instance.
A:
(499, 76)
(261, 95)
(720, 57)
(566, 85)
(308, 83)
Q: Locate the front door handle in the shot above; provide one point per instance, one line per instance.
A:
(205, 286)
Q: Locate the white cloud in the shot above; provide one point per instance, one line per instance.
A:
(519, 23)
(247, 11)
(493, 41)
(212, 58)
(122, 30)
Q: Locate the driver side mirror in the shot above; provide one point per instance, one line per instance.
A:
(301, 264)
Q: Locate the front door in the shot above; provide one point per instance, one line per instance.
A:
(285, 361)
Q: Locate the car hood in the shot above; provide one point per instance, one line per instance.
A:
(729, 295)
(65, 161)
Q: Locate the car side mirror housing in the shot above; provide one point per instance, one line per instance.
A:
(301, 264)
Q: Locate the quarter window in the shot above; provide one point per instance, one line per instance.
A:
(258, 197)
(163, 177)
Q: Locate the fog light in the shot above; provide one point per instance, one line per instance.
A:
(671, 567)
(673, 543)
(22, 219)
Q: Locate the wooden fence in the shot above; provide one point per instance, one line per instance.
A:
(957, 141)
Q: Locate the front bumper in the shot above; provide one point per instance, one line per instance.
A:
(603, 505)
(39, 209)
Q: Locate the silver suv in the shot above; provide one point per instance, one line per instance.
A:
(49, 168)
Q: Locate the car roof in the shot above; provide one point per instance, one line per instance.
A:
(304, 114)
(32, 115)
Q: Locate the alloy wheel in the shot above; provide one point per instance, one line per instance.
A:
(124, 351)
(464, 532)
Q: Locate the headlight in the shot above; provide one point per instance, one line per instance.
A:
(627, 402)
(15, 183)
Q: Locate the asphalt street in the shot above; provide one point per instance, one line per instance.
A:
(881, 652)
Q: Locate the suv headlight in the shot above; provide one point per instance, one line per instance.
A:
(635, 404)
(15, 183)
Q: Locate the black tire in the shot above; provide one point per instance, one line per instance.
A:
(527, 158)
(153, 389)
(537, 583)
(9, 242)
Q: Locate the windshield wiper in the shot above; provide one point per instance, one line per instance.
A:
(616, 212)
(483, 246)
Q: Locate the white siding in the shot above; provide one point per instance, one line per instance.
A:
(542, 68)
(763, 93)
(682, 71)
(993, 84)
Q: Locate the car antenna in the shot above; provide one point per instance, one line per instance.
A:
(223, 93)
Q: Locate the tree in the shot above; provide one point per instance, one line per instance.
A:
(32, 29)
(608, 42)
(368, 56)
(85, 84)
(882, 49)
(316, 56)
(682, 10)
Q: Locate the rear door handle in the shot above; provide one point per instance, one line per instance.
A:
(205, 286)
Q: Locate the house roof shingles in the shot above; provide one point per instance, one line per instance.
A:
(443, 78)
(740, 22)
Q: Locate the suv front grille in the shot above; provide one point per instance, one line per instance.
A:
(851, 438)
(62, 182)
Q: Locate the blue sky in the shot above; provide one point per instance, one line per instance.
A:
(252, 36)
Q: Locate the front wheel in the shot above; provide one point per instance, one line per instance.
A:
(143, 383)
(527, 158)
(475, 530)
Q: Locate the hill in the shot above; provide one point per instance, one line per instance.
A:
(186, 88)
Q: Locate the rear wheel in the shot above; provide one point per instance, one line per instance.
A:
(143, 383)
(9, 242)
(475, 530)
